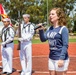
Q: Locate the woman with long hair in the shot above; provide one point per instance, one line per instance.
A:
(57, 36)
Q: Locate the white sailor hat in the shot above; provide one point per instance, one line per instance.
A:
(6, 19)
(26, 15)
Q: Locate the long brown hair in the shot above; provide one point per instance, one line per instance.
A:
(61, 15)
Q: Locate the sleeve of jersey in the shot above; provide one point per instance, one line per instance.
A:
(29, 35)
(43, 37)
(64, 42)
(11, 35)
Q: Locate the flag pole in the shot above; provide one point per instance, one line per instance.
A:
(47, 13)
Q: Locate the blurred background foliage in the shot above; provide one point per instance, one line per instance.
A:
(39, 10)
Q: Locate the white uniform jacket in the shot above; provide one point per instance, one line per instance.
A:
(8, 34)
(27, 32)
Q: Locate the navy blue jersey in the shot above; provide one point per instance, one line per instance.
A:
(58, 42)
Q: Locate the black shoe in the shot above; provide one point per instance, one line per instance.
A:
(13, 70)
(8, 73)
(33, 71)
(1, 67)
(20, 71)
(4, 72)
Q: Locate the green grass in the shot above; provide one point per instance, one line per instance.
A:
(33, 41)
(72, 40)
(38, 41)
(15, 41)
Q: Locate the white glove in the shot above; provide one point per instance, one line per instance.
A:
(20, 39)
(3, 43)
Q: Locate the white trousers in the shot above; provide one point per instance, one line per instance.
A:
(7, 55)
(26, 58)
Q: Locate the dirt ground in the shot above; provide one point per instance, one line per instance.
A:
(40, 59)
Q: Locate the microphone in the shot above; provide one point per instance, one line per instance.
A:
(36, 27)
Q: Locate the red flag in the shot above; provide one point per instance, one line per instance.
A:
(2, 11)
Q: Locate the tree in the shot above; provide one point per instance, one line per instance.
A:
(36, 14)
(1, 1)
(17, 8)
(74, 27)
(37, 8)
(46, 8)
(68, 7)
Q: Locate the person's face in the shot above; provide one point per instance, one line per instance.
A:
(6, 23)
(53, 16)
(26, 19)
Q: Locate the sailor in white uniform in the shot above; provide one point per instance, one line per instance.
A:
(27, 32)
(7, 46)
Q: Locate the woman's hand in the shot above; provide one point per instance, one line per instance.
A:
(41, 27)
(60, 63)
